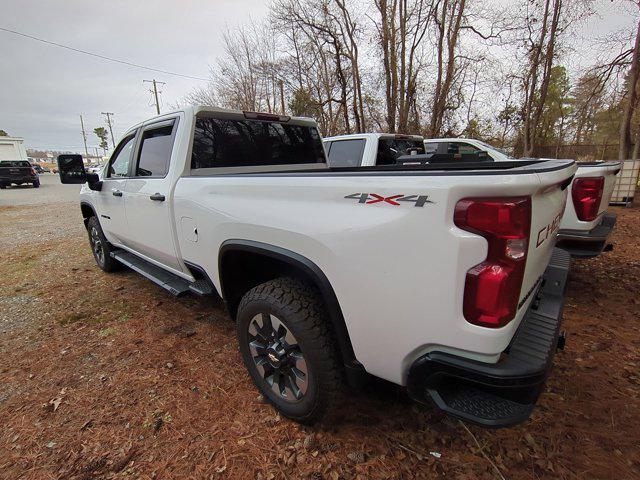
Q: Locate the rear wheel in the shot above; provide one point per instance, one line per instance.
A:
(100, 247)
(2, 186)
(288, 350)
(36, 184)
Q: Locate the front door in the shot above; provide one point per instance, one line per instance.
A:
(147, 197)
(111, 197)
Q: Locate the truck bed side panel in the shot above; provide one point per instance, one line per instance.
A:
(412, 259)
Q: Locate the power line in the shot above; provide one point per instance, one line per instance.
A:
(103, 57)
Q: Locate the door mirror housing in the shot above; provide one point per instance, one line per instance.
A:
(71, 171)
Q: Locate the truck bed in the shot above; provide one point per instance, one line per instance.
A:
(457, 168)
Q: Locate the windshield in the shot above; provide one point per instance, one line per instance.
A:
(15, 163)
(389, 149)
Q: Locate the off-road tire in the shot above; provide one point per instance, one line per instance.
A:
(301, 310)
(36, 185)
(2, 186)
(104, 261)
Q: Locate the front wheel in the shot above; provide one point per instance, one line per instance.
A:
(286, 345)
(100, 247)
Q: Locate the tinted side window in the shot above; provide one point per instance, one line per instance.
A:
(239, 143)
(465, 148)
(121, 158)
(155, 152)
(346, 153)
(430, 147)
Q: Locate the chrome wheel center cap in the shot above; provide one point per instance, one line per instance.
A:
(274, 356)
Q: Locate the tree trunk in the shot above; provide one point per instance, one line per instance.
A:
(629, 108)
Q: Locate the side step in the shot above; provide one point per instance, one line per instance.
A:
(167, 280)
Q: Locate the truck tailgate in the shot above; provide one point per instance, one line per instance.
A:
(547, 208)
(610, 170)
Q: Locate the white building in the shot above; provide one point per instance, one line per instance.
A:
(12, 148)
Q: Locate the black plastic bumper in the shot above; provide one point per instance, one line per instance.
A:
(18, 180)
(504, 393)
(587, 244)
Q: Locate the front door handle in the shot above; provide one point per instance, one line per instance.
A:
(116, 193)
(158, 197)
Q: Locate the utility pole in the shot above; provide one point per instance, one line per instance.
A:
(84, 137)
(108, 114)
(155, 91)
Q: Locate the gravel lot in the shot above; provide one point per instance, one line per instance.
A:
(109, 376)
(50, 191)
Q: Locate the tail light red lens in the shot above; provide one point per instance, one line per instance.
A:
(492, 288)
(586, 194)
(33, 172)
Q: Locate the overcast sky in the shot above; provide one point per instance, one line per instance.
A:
(44, 89)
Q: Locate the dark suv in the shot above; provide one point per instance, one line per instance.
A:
(17, 172)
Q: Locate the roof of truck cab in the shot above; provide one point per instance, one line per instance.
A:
(450, 139)
(193, 110)
(357, 136)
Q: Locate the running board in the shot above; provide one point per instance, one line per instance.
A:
(167, 280)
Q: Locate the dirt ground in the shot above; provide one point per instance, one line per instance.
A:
(108, 376)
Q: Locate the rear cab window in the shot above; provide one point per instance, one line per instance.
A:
(15, 163)
(346, 153)
(391, 148)
(245, 142)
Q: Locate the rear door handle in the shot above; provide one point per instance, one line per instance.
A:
(116, 193)
(158, 197)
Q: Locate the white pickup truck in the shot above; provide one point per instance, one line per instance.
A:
(443, 280)
(586, 224)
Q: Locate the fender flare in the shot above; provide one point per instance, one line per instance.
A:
(84, 204)
(354, 369)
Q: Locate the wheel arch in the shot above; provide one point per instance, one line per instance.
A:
(244, 264)
(87, 212)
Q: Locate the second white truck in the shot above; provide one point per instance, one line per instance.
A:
(586, 224)
(442, 279)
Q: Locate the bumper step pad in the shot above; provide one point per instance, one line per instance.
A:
(504, 393)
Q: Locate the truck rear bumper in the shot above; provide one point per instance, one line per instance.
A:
(504, 393)
(587, 244)
(18, 180)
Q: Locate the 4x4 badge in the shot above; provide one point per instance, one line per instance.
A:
(370, 198)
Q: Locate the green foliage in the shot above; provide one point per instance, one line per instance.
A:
(303, 105)
(3, 133)
(103, 136)
(557, 108)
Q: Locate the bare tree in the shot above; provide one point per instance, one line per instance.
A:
(448, 17)
(401, 29)
(631, 104)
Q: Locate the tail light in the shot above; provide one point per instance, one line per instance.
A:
(33, 172)
(587, 194)
(492, 288)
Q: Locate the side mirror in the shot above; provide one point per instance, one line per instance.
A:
(71, 170)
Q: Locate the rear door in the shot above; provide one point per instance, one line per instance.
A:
(111, 198)
(147, 195)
